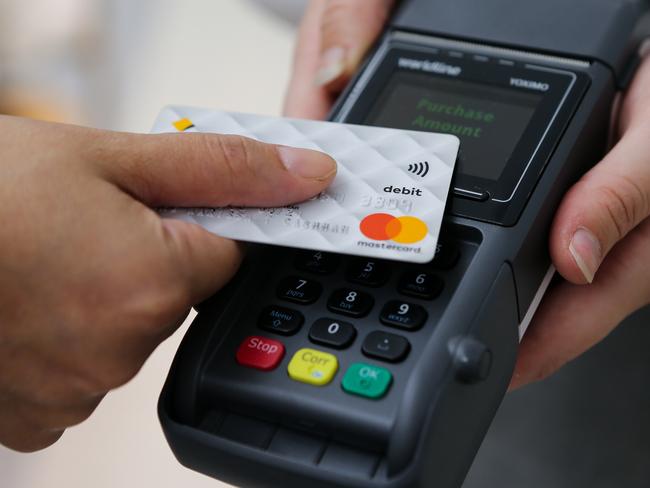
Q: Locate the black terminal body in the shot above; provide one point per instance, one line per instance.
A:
(317, 370)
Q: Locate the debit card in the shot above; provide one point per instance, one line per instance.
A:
(387, 200)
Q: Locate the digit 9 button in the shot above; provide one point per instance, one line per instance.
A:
(403, 315)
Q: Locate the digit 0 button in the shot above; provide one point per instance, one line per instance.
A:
(260, 353)
(366, 380)
(313, 367)
(333, 333)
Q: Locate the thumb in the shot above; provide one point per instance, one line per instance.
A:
(606, 204)
(213, 170)
(348, 29)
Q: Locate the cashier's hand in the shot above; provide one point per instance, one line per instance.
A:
(334, 37)
(91, 278)
(600, 244)
(600, 240)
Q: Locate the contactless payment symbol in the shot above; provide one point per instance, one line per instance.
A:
(420, 169)
(384, 227)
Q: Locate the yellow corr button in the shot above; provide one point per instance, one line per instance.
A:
(314, 367)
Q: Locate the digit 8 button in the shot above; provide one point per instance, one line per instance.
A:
(348, 301)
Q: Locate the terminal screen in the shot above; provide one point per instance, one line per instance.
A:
(489, 120)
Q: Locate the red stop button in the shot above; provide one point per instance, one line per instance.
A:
(260, 353)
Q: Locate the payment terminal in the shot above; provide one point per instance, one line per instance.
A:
(385, 374)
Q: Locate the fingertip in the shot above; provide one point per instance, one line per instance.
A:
(307, 163)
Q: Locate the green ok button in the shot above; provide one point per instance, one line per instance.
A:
(366, 380)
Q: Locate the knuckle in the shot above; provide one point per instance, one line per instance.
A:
(624, 203)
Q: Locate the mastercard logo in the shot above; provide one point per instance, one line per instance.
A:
(384, 227)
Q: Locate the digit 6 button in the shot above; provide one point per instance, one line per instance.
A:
(420, 285)
(332, 332)
(348, 301)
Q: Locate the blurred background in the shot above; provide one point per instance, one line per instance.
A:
(114, 64)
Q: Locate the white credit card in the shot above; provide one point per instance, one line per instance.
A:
(387, 200)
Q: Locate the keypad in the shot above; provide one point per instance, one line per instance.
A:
(420, 284)
(317, 262)
(369, 272)
(386, 346)
(398, 287)
(403, 315)
(299, 290)
(332, 333)
(351, 302)
(281, 320)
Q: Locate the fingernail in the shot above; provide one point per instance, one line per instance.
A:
(332, 65)
(586, 252)
(313, 165)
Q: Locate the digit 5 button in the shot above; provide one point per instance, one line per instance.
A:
(260, 353)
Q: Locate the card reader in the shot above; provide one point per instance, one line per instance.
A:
(385, 374)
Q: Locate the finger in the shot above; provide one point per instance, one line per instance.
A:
(303, 98)
(636, 109)
(348, 30)
(212, 170)
(602, 208)
(19, 436)
(572, 318)
(200, 262)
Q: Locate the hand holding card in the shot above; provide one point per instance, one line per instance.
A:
(387, 200)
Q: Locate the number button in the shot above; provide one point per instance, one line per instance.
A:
(317, 262)
(299, 290)
(350, 302)
(281, 320)
(332, 332)
(368, 272)
(385, 346)
(403, 315)
(420, 285)
(446, 256)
